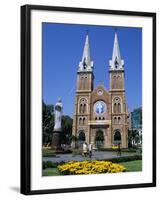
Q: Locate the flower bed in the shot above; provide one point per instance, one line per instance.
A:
(90, 167)
(114, 147)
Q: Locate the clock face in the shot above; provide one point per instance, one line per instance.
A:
(99, 107)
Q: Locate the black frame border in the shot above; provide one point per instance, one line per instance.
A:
(25, 181)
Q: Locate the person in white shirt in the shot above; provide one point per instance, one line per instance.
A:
(85, 149)
(90, 148)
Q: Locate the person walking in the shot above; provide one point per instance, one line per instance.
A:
(119, 149)
(90, 147)
(85, 149)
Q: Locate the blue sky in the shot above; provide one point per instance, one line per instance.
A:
(62, 48)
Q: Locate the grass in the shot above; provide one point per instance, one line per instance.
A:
(51, 153)
(133, 166)
(51, 172)
(48, 153)
(76, 152)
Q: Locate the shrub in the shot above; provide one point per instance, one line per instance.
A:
(125, 158)
(66, 151)
(44, 165)
(115, 148)
(90, 167)
(130, 150)
(108, 149)
(49, 164)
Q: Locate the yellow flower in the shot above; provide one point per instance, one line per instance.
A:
(115, 147)
(90, 167)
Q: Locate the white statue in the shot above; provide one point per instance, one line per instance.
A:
(58, 115)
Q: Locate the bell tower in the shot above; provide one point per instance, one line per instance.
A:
(85, 70)
(84, 88)
(119, 113)
(116, 70)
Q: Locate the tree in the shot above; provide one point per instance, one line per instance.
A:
(74, 140)
(66, 129)
(129, 138)
(48, 125)
(133, 137)
(48, 122)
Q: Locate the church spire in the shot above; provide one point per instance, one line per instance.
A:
(116, 63)
(86, 64)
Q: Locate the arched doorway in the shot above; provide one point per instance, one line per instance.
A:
(117, 137)
(99, 139)
(81, 139)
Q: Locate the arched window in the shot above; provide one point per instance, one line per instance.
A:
(114, 81)
(119, 120)
(80, 121)
(117, 137)
(115, 108)
(119, 82)
(117, 105)
(81, 139)
(81, 136)
(81, 108)
(85, 82)
(81, 82)
(115, 120)
(119, 108)
(82, 105)
(84, 108)
(84, 121)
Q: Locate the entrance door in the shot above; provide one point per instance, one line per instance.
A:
(81, 139)
(99, 139)
(117, 137)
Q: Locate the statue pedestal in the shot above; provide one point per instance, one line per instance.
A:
(56, 140)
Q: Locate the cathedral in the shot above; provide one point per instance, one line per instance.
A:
(100, 115)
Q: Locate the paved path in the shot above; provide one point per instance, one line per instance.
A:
(98, 155)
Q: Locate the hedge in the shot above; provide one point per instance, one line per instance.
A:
(50, 164)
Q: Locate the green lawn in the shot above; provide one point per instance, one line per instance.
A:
(133, 166)
(50, 172)
(48, 153)
(53, 153)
